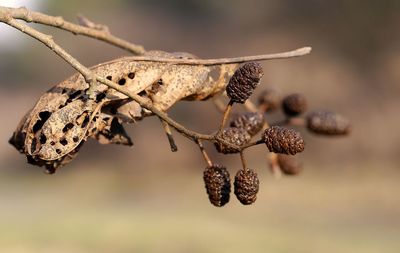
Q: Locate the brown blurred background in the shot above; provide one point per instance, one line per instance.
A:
(147, 199)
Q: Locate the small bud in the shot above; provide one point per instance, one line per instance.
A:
(233, 135)
(327, 123)
(252, 122)
(218, 184)
(269, 100)
(244, 81)
(289, 164)
(294, 104)
(246, 186)
(283, 140)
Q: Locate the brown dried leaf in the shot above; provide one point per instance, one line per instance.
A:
(66, 115)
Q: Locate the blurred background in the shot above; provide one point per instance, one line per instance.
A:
(147, 199)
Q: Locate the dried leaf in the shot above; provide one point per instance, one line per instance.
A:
(65, 116)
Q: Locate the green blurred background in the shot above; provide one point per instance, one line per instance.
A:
(147, 199)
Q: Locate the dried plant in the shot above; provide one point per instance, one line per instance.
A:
(96, 102)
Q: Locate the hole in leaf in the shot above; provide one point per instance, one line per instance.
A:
(33, 145)
(94, 129)
(75, 138)
(143, 93)
(42, 139)
(52, 143)
(67, 127)
(63, 141)
(37, 126)
(58, 151)
(85, 121)
(75, 94)
(63, 91)
(45, 115)
(131, 75)
(122, 81)
(109, 78)
(100, 96)
(155, 87)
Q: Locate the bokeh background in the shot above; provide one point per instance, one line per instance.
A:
(147, 199)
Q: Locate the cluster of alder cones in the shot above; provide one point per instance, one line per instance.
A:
(282, 141)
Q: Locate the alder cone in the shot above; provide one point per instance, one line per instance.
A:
(269, 100)
(283, 140)
(289, 164)
(327, 123)
(252, 122)
(294, 104)
(244, 81)
(233, 135)
(246, 186)
(218, 184)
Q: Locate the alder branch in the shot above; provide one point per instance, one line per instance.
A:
(23, 13)
(9, 16)
(216, 177)
(90, 77)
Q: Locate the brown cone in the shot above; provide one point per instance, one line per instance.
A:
(327, 123)
(289, 164)
(233, 135)
(283, 140)
(294, 104)
(269, 100)
(252, 122)
(244, 81)
(246, 186)
(218, 184)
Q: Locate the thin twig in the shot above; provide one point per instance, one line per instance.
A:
(84, 21)
(210, 62)
(59, 22)
(204, 153)
(251, 144)
(243, 160)
(226, 115)
(168, 132)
